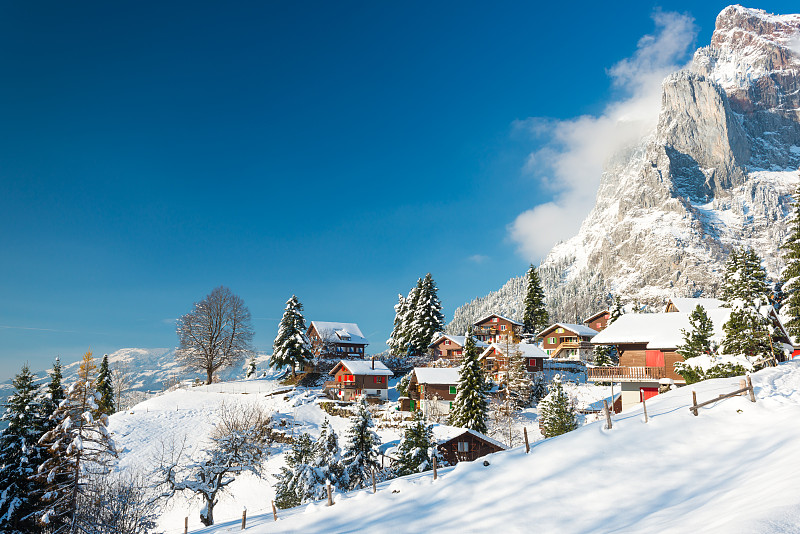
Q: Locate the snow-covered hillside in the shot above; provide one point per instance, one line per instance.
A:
(732, 469)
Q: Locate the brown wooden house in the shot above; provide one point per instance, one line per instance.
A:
(493, 328)
(598, 321)
(566, 341)
(495, 361)
(432, 390)
(356, 378)
(466, 445)
(336, 340)
(451, 347)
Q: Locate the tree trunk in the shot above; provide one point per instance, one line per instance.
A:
(208, 519)
(209, 376)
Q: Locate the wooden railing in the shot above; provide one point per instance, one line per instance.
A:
(626, 373)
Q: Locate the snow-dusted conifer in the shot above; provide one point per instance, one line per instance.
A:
(397, 340)
(470, 407)
(617, 310)
(55, 392)
(697, 341)
(297, 480)
(20, 455)
(251, 368)
(417, 447)
(427, 316)
(748, 333)
(745, 279)
(557, 411)
(605, 355)
(291, 346)
(79, 446)
(791, 274)
(520, 385)
(535, 317)
(105, 388)
(328, 460)
(360, 455)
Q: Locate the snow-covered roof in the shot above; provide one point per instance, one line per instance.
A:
(363, 367)
(580, 329)
(595, 316)
(446, 433)
(437, 375)
(658, 330)
(688, 304)
(528, 350)
(458, 340)
(512, 321)
(347, 332)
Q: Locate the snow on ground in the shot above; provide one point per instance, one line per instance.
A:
(731, 469)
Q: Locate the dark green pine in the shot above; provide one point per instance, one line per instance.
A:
(697, 340)
(791, 274)
(105, 388)
(535, 318)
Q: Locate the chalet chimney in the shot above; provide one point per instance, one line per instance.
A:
(373, 363)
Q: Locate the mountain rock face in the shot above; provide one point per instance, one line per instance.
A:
(718, 172)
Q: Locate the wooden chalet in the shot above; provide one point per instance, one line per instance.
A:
(493, 328)
(356, 378)
(566, 341)
(432, 390)
(451, 347)
(466, 445)
(598, 321)
(336, 340)
(495, 361)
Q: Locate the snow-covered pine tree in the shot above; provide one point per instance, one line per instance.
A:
(520, 385)
(79, 446)
(697, 341)
(105, 388)
(328, 460)
(791, 274)
(470, 407)
(402, 385)
(417, 448)
(617, 310)
(297, 480)
(557, 411)
(605, 355)
(427, 316)
(745, 278)
(396, 341)
(21, 455)
(748, 334)
(291, 346)
(535, 317)
(55, 393)
(251, 368)
(360, 455)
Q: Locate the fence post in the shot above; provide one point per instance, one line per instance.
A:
(608, 415)
(694, 403)
(435, 473)
(330, 497)
(644, 407)
(750, 385)
(244, 518)
(374, 487)
(186, 525)
(274, 511)
(527, 445)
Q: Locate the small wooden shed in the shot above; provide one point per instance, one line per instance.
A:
(467, 445)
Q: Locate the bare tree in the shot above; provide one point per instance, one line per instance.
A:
(216, 334)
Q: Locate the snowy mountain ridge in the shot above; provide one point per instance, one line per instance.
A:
(717, 172)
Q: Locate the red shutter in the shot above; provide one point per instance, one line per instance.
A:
(647, 393)
(654, 358)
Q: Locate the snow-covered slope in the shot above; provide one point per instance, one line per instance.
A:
(732, 469)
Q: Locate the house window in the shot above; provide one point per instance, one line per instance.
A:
(378, 379)
(451, 405)
(458, 353)
(441, 353)
(599, 325)
(463, 446)
(532, 362)
(551, 340)
(559, 331)
(654, 358)
(452, 390)
(446, 341)
(502, 327)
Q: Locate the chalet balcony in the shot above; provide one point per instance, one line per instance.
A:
(484, 331)
(625, 374)
(333, 384)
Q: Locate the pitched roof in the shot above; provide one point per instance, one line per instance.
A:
(512, 321)
(437, 375)
(581, 330)
(458, 340)
(658, 330)
(595, 316)
(528, 350)
(363, 367)
(689, 304)
(442, 433)
(342, 331)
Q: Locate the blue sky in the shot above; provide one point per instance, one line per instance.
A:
(150, 152)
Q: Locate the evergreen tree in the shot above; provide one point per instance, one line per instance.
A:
(535, 318)
(791, 274)
(20, 455)
(520, 385)
(397, 341)
(428, 318)
(407, 339)
(328, 460)
(745, 279)
(470, 407)
(605, 355)
(55, 392)
(557, 412)
(295, 480)
(402, 385)
(105, 388)
(79, 446)
(697, 341)
(417, 447)
(777, 296)
(251, 368)
(361, 449)
(291, 346)
(617, 310)
(749, 334)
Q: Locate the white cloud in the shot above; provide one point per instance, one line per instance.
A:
(571, 160)
(478, 258)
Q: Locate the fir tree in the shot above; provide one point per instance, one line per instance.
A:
(417, 447)
(251, 368)
(293, 480)
(470, 407)
(397, 341)
(777, 296)
(79, 446)
(617, 310)
(748, 333)
(557, 412)
(20, 455)
(791, 274)
(105, 388)
(407, 343)
(745, 279)
(697, 341)
(55, 392)
(428, 318)
(520, 385)
(605, 355)
(328, 460)
(291, 346)
(535, 318)
(361, 449)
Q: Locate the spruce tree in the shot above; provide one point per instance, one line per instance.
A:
(291, 346)
(617, 310)
(55, 391)
(295, 481)
(470, 407)
(748, 334)
(520, 385)
(605, 355)
(745, 279)
(251, 368)
(417, 447)
(557, 412)
(105, 388)
(791, 274)
(328, 460)
(535, 318)
(79, 446)
(397, 341)
(428, 318)
(21, 455)
(697, 341)
(361, 449)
